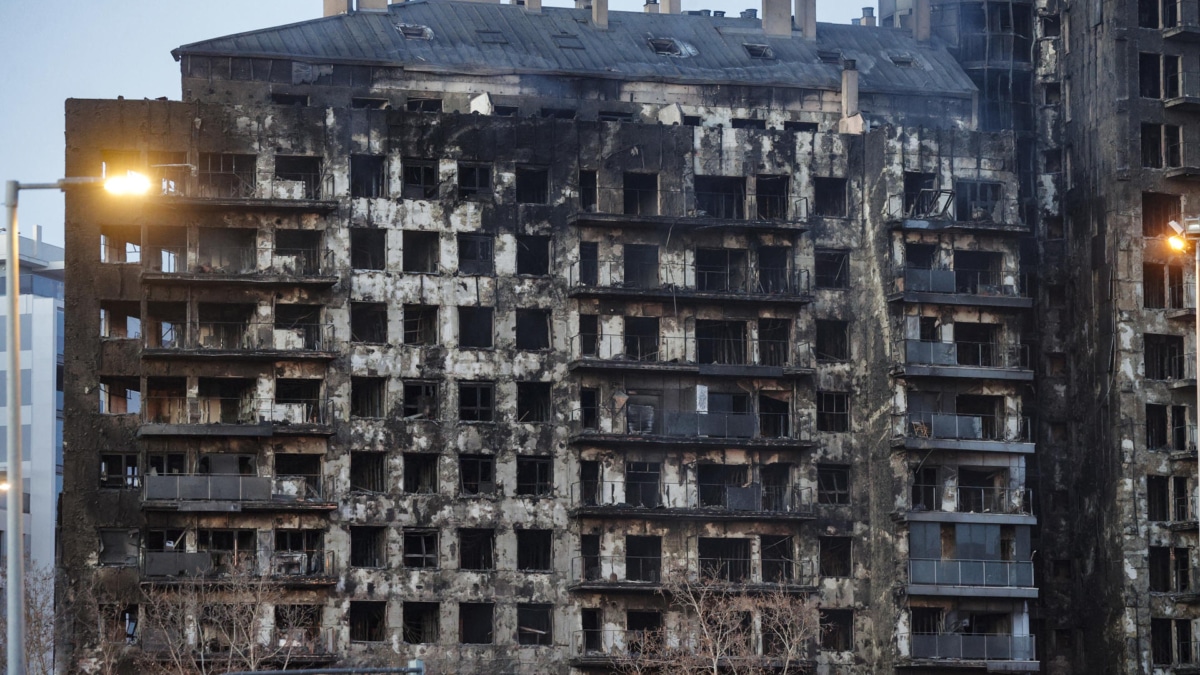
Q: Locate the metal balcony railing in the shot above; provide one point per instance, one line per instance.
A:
(964, 499)
(645, 420)
(690, 350)
(240, 336)
(227, 487)
(753, 497)
(610, 643)
(238, 260)
(246, 410)
(703, 204)
(1178, 367)
(303, 564)
(1009, 429)
(988, 573)
(1169, 438)
(648, 570)
(962, 647)
(617, 569)
(927, 204)
(242, 185)
(744, 279)
(974, 354)
(984, 283)
(301, 642)
(198, 564)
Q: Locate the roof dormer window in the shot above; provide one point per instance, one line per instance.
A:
(666, 46)
(415, 31)
(830, 56)
(759, 51)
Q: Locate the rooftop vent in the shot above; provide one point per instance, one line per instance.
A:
(749, 14)
(718, 13)
(759, 51)
(903, 60)
(415, 31)
(830, 56)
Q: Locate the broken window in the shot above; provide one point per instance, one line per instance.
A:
(534, 550)
(1158, 500)
(474, 180)
(533, 255)
(505, 111)
(976, 200)
(421, 549)
(420, 400)
(121, 396)
(721, 269)
(665, 46)
(535, 476)
(831, 269)
(475, 401)
(476, 474)
(120, 320)
(1149, 75)
(759, 51)
(1164, 357)
(533, 329)
(425, 105)
(476, 548)
(1169, 569)
(420, 473)
(368, 471)
(368, 396)
(587, 191)
(533, 402)
(1156, 427)
(299, 466)
(1157, 211)
(833, 484)
(643, 484)
(1152, 146)
(298, 177)
(227, 176)
(120, 470)
(475, 623)
(421, 622)
(119, 546)
(721, 342)
(771, 196)
(535, 625)
(643, 558)
(475, 254)
(368, 176)
(833, 411)
(837, 629)
(714, 480)
(835, 556)
(589, 408)
(745, 123)
(829, 197)
(833, 340)
(368, 322)
(368, 546)
(475, 327)
(230, 549)
(120, 244)
(724, 559)
(589, 264)
(420, 179)
(368, 621)
(533, 184)
(420, 325)
(368, 249)
(641, 194)
(778, 558)
(720, 197)
(639, 265)
(774, 342)
(420, 253)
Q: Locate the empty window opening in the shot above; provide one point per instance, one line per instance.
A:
(299, 466)
(1052, 94)
(589, 408)
(771, 196)
(475, 327)
(691, 120)
(123, 396)
(1157, 211)
(535, 476)
(614, 116)
(475, 254)
(421, 549)
(1169, 569)
(533, 329)
(420, 400)
(368, 176)
(589, 263)
(533, 185)
(533, 255)
(1164, 357)
(368, 249)
(833, 484)
(1158, 499)
(370, 103)
(289, 99)
(641, 193)
(977, 200)
(1148, 13)
(722, 269)
(643, 558)
(978, 272)
(119, 546)
(587, 191)
(475, 401)
(368, 471)
(120, 244)
(831, 269)
(835, 556)
(535, 625)
(477, 474)
(639, 266)
(829, 197)
(420, 473)
(801, 127)
(778, 559)
(368, 546)
(829, 56)
(421, 622)
(368, 396)
(227, 176)
(475, 623)
(420, 325)
(715, 480)
(425, 105)
(721, 342)
(837, 629)
(759, 51)
(833, 340)
(665, 46)
(920, 198)
(775, 270)
(420, 179)
(534, 550)
(774, 342)
(298, 177)
(720, 197)
(724, 559)
(505, 111)
(230, 549)
(297, 252)
(745, 123)
(1150, 75)
(120, 470)
(476, 549)
(120, 320)
(1172, 76)
(643, 484)
(833, 411)
(558, 113)
(533, 402)
(368, 322)
(368, 621)
(420, 252)
(774, 417)
(474, 180)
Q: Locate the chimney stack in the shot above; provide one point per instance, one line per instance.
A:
(868, 17)
(670, 7)
(583, 4)
(534, 6)
(856, 21)
(806, 18)
(600, 14)
(372, 5)
(651, 7)
(335, 7)
(922, 20)
(849, 88)
(777, 17)
(749, 14)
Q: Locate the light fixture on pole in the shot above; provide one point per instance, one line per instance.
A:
(130, 183)
(1190, 232)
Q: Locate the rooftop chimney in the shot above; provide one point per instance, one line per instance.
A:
(651, 7)
(372, 5)
(806, 18)
(718, 13)
(856, 21)
(670, 7)
(851, 122)
(534, 6)
(868, 17)
(335, 7)
(600, 14)
(777, 17)
(749, 14)
(922, 18)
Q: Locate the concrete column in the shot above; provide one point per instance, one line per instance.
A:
(849, 88)
(922, 20)
(600, 14)
(806, 18)
(777, 17)
(335, 7)
(671, 7)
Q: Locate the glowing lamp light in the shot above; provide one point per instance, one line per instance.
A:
(4, 486)
(132, 183)
(1177, 242)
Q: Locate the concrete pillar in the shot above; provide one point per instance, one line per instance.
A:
(849, 88)
(806, 18)
(600, 14)
(671, 7)
(335, 7)
(922, 20)
(651, 7)
(372, 5)
(777, 17)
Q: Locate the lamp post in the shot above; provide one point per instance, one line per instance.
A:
(1190, 231)
(129, 184)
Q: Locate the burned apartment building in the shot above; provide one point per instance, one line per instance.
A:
(467, 324)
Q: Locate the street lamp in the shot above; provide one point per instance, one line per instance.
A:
(130, 183)
(1190, 231)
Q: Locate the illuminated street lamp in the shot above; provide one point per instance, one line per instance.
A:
(1190, 232)
(128, 184)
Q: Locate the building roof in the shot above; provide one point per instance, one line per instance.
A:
(498, 39)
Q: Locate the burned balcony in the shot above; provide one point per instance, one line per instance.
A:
(217, 553)
(641, 275)
(963, 649)
(724, 562)
(240, 339)
(967, 430)
(962, 286)
(646, 496)
(305, 566)
(228, 481)
(964, 359)
(719, 348)
(971, 578)
(645, 423)
(942, 498)
(627, 573)
(229, 406)
(717, 201)
(223, 179)
(238, 255)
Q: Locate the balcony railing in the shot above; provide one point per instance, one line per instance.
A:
(225, 487)
(703, 204)
(690, 350)
(617, 569)
(241, 336)
(646, 420)
(971, 354)
(198, 564)
(744, 280)
(1008, 429)
(957, 646)
(1179, 367)
(718, 497)
(607, 643)
(215, 410)
(176, 181)
(988, 573)
(924, 205)
(239, 261)
(1006, 500)
(301, 643)
(963, 282)
(303, 564)
(647, 570)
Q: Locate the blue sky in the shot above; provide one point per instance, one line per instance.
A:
(110, 48)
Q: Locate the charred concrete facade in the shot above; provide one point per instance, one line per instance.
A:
(467, 323)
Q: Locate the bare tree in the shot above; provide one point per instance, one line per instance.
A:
(40, 625)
